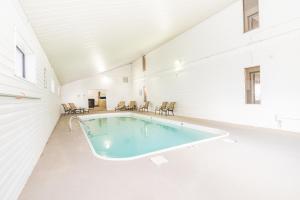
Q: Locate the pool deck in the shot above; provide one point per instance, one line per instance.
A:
(263, 164)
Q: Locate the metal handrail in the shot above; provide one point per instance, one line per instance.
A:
(80, 120)
(71, 119)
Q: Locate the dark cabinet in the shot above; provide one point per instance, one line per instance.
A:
(91, 103)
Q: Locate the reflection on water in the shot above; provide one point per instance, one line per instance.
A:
(119, 137)
(107, 143)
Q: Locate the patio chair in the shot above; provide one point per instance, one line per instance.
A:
(131, 106)
(162, 107)
(121, 106)
(145, 106)
(67, 109)
(75, 109)
(169, 108)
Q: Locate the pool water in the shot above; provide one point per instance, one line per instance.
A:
(129, 137)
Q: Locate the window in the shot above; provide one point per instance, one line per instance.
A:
(145, 93)
(253, 87)
(144, 64)
(52, 86)
(25, 64)
(58, 91)
(251, 15)
(45, 78)
(20, 63)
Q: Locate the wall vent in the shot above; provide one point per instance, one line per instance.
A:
(125, 79)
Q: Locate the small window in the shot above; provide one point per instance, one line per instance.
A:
(25, 64)
(253, 86)
(58, 91)
(45, 78)
(20, 63)
(144, 64)
(145, 93)
(251, 15)
(52, 86)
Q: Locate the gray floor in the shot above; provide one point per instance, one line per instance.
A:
(263, 165)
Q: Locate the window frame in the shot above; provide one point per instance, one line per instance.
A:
(250, 25)
(246, 18)
(53, 86)
(250, 92)
(144, 64)
(23, 74)
(45, 78)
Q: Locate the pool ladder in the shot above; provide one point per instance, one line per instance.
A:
(81, 121)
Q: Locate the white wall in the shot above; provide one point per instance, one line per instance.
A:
(111, 82)
(214, 54)
(25, 125)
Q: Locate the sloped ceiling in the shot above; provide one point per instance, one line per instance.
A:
(85, 37)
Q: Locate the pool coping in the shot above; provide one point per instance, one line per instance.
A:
(219, 132)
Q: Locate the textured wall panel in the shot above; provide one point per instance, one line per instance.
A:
(25, 124)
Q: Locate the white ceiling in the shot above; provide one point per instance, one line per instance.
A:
(84, 37)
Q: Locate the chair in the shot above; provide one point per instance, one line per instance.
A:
(162, 107)
(75, 109)
(121, 106)
(169, 108)
(131, 106)
(67, 109)
(145, 106)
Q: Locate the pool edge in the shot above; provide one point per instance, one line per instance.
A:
(221, 133)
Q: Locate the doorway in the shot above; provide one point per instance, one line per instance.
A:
(97, 100)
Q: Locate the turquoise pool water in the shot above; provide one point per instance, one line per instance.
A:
(128, 137)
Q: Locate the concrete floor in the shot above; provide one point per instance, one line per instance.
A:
(263, 165)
